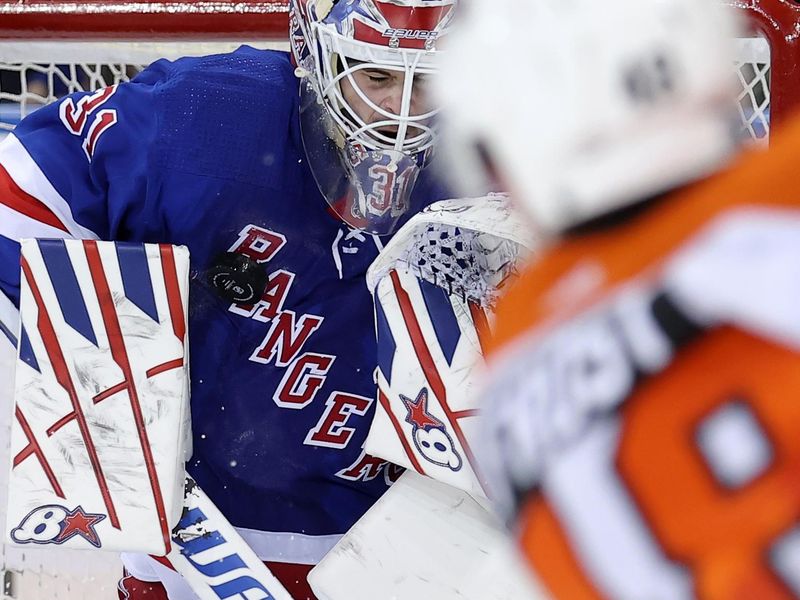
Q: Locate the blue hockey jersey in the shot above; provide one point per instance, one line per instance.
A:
(206, 152)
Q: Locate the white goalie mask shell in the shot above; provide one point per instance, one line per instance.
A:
(378, 161)
(602, 103)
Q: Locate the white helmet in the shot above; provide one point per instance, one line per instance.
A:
(332, 40)
(585, 106)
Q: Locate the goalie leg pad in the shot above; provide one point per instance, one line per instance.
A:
(101, 387)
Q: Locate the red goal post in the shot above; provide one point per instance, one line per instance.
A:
(110, 19)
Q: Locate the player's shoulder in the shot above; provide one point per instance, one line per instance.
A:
(246, 75)
(245, 65)
(221, 114)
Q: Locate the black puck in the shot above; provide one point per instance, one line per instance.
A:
(237, 278)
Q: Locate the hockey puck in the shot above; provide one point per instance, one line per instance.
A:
(237, 278)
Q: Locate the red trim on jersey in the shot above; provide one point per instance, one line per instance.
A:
(15, 198)
(103, 121)
(76, 115)
(120, 355)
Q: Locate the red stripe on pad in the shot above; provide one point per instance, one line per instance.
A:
(429, 366)
(120, 387)
(120, 355)
(173, 290)
(481, 322)
(397, 427)
(64, 379)
(463, 414)
(34, 448)
(163, 367)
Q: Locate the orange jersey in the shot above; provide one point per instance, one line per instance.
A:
(644, 405)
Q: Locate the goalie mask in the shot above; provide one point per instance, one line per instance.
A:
(366, 123)
(581, 122)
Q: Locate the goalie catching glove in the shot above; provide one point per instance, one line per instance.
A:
(434, 286)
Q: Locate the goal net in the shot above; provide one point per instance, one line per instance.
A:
(35, 73)
(38, 72)
(753, 70)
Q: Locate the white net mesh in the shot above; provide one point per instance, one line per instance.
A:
(469, 247)
(33, 74)
(467, 263)
(752, 67)
(36, 73)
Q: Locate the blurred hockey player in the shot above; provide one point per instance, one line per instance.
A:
(642, 410)
(278, 172)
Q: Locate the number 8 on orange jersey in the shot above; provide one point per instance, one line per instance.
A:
(710, 450)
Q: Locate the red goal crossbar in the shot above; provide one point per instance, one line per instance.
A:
(105, 19)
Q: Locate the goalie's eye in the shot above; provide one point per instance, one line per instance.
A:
(376, 76)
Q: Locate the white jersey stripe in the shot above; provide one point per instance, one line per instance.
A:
(30, 178)
(288, 547)
(16, 226)
(617, 550)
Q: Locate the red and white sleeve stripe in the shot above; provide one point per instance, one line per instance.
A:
(30, 207)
